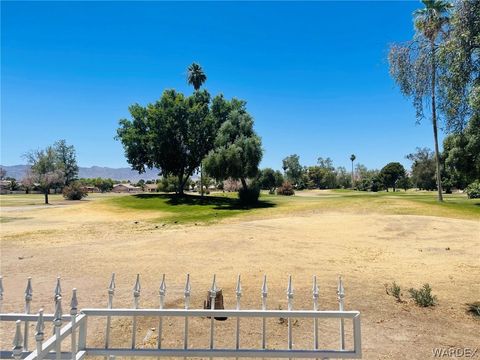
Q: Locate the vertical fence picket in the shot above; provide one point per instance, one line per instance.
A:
(39, 333)
(341, 296)
(290, 308)
(162, 292)
(57, 323)
(18, 341)
(136, 299)
(111, 293)
(238, 292)
(28, 300)
(264, 307)
(315, 292)
(73, 313)
(187, 291)
(213, 295)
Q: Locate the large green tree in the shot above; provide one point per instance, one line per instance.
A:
(45, 169)
(238, 149)
(292, 168)
(459, 56)
(415, 68)
(423, 168)
(173, 134)
(391, 174)
(67, 160)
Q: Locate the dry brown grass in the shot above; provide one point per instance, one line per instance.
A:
(87, 241)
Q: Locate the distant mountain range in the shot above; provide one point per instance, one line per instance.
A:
(18, 172)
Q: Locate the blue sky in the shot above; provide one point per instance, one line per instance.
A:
(314, 74)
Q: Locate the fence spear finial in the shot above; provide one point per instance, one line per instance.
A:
(29, 290)
(58, 289)
(340, 289)
(290, 287)
(315, 289)
(238, 289)
(111, 287)
(18, 340)
(187, 291)
(213, 289)
(136, 287)
(162, 291)
(264, 286)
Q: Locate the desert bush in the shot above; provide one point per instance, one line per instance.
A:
(473, 190)
(423, 296)
(474, 308)
(231, 185)
(394, 290)
(74, 191)
(286, 189)
(249, 196)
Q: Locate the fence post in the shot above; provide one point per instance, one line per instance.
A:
(111, 293)
(18, 341)
(238, 292)
(341, 296)
(39, 334)
(28, 300)
(264, 307)
(290, 308)
(57, 322)
(136, 296)
(187, 291)
(315, 308)
(162, 292)
(73, 313)
(213, 295)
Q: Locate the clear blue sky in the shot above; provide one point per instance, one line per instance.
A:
(314, 74)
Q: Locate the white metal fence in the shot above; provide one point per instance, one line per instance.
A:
(73, 329)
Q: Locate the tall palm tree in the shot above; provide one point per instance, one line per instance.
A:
(352, 159)
(430, 22)
(196, 77)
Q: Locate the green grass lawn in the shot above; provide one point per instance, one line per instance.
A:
(192, 208)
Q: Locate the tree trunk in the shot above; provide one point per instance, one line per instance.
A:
(181, 185)
(434, 124)
(201, 180)
(46, 196)
(352, 175)
(244, 183)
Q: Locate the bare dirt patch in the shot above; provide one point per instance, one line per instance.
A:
(85, 243)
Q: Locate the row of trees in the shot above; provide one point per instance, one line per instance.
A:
(181, 134)
(439, 69)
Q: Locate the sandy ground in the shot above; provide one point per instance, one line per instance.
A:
(84, 244)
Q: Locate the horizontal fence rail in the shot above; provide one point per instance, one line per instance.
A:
(73, 326)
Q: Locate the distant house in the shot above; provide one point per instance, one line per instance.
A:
(151, 187)
(91, 189)
(126, 188)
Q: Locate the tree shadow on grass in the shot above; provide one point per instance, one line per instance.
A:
(218, 202)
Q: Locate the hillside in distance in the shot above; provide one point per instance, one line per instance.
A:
(19, 171)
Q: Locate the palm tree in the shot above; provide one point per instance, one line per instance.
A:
(352, 159)
(430, 22)
(196, 77)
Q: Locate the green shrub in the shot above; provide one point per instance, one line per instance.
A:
(423, 296)
(74, 191)
(286, 189)
(249, 196)
(473, 190)
(394, 290)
